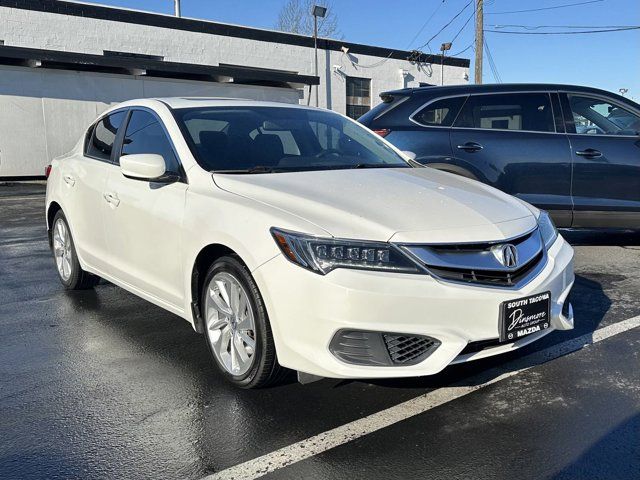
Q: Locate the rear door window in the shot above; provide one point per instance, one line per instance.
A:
(145, 134)
(509, 111)
(101, 137)
(440, 113)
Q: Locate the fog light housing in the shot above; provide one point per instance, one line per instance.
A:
(361, 347)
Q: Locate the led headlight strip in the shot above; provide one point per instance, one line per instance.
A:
(321, 255)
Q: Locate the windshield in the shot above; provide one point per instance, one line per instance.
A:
(280, 139)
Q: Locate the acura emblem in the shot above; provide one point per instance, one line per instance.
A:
(508, 255)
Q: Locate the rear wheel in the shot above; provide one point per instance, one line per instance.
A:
(237, 329)
(71, 274)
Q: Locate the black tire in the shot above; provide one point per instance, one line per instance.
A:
(265, 370)
(78, 278)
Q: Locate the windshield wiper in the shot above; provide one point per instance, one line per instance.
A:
(256, 169)
(377, 165)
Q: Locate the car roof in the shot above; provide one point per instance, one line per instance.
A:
(190, 102)
(156, 103)
(493, 87)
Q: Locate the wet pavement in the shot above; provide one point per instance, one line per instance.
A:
(101, 384)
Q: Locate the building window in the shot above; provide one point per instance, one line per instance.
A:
(358, 96)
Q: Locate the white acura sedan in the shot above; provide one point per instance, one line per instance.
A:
(294, 237)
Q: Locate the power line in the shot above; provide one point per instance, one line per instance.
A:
(373, 65)
(492, 63)
(564, 33)
(461, 51)
(546, 8)
(536, 27)
(445, 26)
(384, 60)
(463, 26)
(424, 25)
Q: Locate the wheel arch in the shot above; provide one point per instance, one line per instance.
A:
(53, 208)
(206, 256)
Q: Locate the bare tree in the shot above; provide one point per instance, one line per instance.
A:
(295, 16)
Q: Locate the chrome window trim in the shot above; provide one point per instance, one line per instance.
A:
(467, 95)
(606, 99)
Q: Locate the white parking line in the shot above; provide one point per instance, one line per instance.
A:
(358, 428)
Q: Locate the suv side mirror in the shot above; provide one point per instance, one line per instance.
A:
(410, 155)
(143, 166)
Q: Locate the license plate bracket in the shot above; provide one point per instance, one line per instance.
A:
(524, 316)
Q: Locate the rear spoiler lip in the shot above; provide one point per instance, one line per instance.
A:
(393, 94)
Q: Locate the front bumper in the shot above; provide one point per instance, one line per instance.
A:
(307, 309)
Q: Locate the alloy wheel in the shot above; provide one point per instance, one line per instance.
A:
(230, 323)
(62, 250)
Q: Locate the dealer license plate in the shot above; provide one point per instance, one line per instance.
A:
(525, 316)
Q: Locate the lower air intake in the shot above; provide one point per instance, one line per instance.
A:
(361, 347)
(408, 349)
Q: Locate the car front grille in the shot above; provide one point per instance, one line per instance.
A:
(478, 263)
(488, 277)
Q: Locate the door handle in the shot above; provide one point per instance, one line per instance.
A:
(112, 199)
(470, 147)
(589, 153)
(69, 180)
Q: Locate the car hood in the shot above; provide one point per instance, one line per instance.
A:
(397, 204)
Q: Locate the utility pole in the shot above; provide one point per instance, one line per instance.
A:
(316, 11)
(177, 7)
(479, 41)
(315, 51)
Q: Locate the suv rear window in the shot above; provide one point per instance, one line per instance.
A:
(508, 111)
(440, 113)
(101, 137)
(380, 111)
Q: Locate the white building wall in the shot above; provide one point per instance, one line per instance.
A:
(46, 110)
(32, 29)
(43, 112)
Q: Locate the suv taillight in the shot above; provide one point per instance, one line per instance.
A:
(47, 171)
(383, 132)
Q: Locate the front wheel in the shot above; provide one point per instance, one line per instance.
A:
(71, 274)
(237, 329)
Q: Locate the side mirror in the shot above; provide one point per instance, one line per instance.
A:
(411, 155)
(142, 166)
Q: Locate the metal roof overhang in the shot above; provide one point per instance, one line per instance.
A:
(131, 64)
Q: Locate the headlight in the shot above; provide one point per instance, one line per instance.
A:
(321, 255)
(547, 229)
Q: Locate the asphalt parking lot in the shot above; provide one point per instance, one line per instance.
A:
(101, 384)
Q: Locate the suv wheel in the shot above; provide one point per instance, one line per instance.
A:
(71, 274)
(236, 326)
